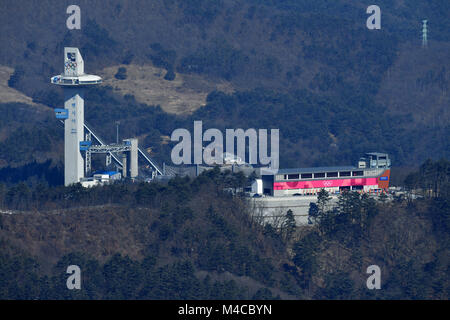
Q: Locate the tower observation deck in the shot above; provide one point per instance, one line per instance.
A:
(73, 81)
(78, 137)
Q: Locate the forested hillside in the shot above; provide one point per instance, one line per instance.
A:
(310, 68)
(191, 240)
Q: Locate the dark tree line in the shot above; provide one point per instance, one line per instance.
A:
(118, 278)
(407, 238)
(203, 228)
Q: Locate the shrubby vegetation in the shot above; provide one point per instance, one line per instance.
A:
(315, 73)
(314, 130)
(408, 239)
(178, 238)
(121, 73)
(309, 68)
(16, 77)
(29, 143)
(192, 222)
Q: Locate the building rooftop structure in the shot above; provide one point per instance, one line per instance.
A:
(315, 169)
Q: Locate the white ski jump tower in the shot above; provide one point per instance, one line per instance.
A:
(73, 80)
(124, 154)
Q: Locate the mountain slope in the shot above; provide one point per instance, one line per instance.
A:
(368, 89)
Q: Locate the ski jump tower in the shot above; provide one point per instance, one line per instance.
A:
(73, 81)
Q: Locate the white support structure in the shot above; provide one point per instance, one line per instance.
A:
(73, 134)
(108, 159)
(73, 80)
(133, 157)
(88, 156)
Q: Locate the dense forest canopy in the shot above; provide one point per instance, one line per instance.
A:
(312, 69)
(190, 239)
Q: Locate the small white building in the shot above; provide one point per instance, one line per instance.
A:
(101, 178)
(257, 186)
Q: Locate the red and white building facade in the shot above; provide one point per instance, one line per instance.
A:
(372, 174)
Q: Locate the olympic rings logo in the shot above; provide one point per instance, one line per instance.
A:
(70, 65)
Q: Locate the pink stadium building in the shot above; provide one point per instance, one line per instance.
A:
(372, 174)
